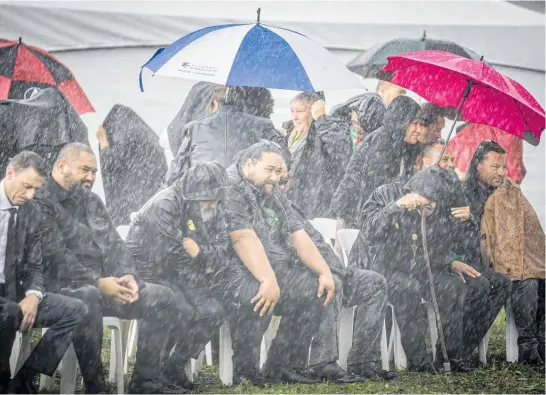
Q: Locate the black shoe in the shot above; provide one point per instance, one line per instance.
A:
(371, 371)
(285, 375)
(461, 366)
(177, 378)
(530, 357)
(21, 387)
(333, 373)
(4, 381)
(154, 387)
(252, 378)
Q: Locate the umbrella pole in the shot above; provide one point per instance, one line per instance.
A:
(459, 112)
(447, 366)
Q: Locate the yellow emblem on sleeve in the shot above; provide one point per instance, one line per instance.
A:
(414, 236)
(191, 226)
(397, 226)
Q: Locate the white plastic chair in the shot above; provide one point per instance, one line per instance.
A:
(512, 351)
(326, 227)
(347, 238)
(70, 362)
(123, 230)
(226, 354)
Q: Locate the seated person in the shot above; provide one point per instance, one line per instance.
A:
(468, 302)
(364, 289)
(508, 232)
(23, 303)
(178, 239)
(85, 258)
(274, 256)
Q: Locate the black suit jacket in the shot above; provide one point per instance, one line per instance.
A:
(27, 265)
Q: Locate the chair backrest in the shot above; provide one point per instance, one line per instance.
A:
(347, 238)
(326, 227)
(123, 230)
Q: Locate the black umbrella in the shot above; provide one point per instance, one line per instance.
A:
(369, 62)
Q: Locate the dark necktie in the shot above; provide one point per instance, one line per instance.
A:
(9, 264)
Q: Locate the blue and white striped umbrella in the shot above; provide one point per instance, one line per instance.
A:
(255, 55)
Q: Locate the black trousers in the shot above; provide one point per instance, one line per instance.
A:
(59, 313)
(367, 291)
(467, 310)
(155, 309)
(528, 308)
(200, 316)
(298, 305)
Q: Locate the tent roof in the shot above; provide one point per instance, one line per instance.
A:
(503, 32)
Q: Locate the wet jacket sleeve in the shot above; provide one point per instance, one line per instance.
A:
(117, 259)
(345, 200)
(55, 252)
(238, 211)
(33, 253)
(214, 255)
(380, 213)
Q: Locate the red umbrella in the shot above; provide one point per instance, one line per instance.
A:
(480, 93)
(23, 66)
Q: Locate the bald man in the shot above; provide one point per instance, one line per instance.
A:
(430, 156)
(85, 258)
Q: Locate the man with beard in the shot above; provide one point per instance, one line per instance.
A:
(85, 258)
(504, 229)
(178, 239)
(363, 289)
(272, 251)
(468, 301)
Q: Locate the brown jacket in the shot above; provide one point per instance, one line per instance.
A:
(512, 239)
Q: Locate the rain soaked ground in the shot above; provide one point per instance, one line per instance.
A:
(497, 378)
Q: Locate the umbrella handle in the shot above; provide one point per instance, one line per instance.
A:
(424, 213)
(459, 112)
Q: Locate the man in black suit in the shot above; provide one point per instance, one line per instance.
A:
(23, 303)
(84, 257)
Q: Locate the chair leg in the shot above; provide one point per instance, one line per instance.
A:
(15, 351)
(482, 348)
(390, 346)
(68, 376)
(345, 335)
(131, 344)
(208, 353)
(226, 354)
(400, 360)
(190, 368)
(512, 352)
(118, 366)
(113, 354)
(433, 329)
(384, 348)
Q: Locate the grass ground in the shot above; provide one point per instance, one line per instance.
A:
(499, 377)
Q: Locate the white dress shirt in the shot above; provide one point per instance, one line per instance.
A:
(5, 206)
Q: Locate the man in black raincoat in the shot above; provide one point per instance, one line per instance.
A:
(468, 301)
(85, 258)
(178, 239)
(273, 251)
(363, 289)
(320, 148)
(132, 163)
(218, 137)
(385, 155)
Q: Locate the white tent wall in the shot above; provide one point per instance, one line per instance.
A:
(504, 33)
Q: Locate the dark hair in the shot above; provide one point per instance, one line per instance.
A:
(480, 155)
(256, 151)
(429, 114)
(25, 159)
(218, 94)
(259, 102)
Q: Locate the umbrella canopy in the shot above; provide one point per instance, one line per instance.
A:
(253, 55)
(480, 93)
(369, 62)
(23, 66)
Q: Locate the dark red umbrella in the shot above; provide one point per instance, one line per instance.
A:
(23, 66)
(480, 93)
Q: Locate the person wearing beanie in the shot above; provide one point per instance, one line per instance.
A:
(468, 300)
(178, 239)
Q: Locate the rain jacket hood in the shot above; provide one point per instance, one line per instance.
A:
(371, 112)
(204, 181)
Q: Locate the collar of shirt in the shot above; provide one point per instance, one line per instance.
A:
(5, 204)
